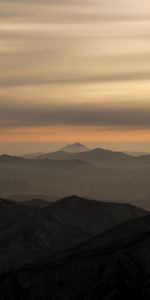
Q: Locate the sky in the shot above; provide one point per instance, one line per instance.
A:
(74, 71)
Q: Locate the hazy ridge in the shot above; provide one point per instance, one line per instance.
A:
(97, 173)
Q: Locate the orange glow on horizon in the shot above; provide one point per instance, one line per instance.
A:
(69, 134)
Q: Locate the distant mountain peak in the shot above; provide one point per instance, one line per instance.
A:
(73, 148)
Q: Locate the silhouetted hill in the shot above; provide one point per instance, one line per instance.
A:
(92, 216)
(102, 158)
(57, 155)
(29, 233)
(71, 148)
(114, 265)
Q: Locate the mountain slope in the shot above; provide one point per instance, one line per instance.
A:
(109, 159)
(70, 148)
(102, 158)
(92, 216)
(56, 155)
(115, 269)
(29, 233)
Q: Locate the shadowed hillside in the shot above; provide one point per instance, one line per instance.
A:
(29, 233)
(114, 265)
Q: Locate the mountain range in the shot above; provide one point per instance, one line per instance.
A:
(31, 232)
(99, 157)
(74, 249)
(97, 173)
(70, 148)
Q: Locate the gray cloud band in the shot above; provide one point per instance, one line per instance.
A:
(75, 116)
(29, 80)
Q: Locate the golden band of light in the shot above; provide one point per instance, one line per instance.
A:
(82, 134)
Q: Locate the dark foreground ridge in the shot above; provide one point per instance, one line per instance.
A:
(73, 249)
(30, 232)
(114, 265)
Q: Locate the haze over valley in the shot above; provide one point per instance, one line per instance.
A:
(95, 173)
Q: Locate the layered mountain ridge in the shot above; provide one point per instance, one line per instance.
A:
(111, 265)
(29, 233)
(96, 174)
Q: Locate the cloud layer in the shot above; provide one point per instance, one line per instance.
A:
(74, 63)
(83, 115)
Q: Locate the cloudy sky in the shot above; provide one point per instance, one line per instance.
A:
(74, 71)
